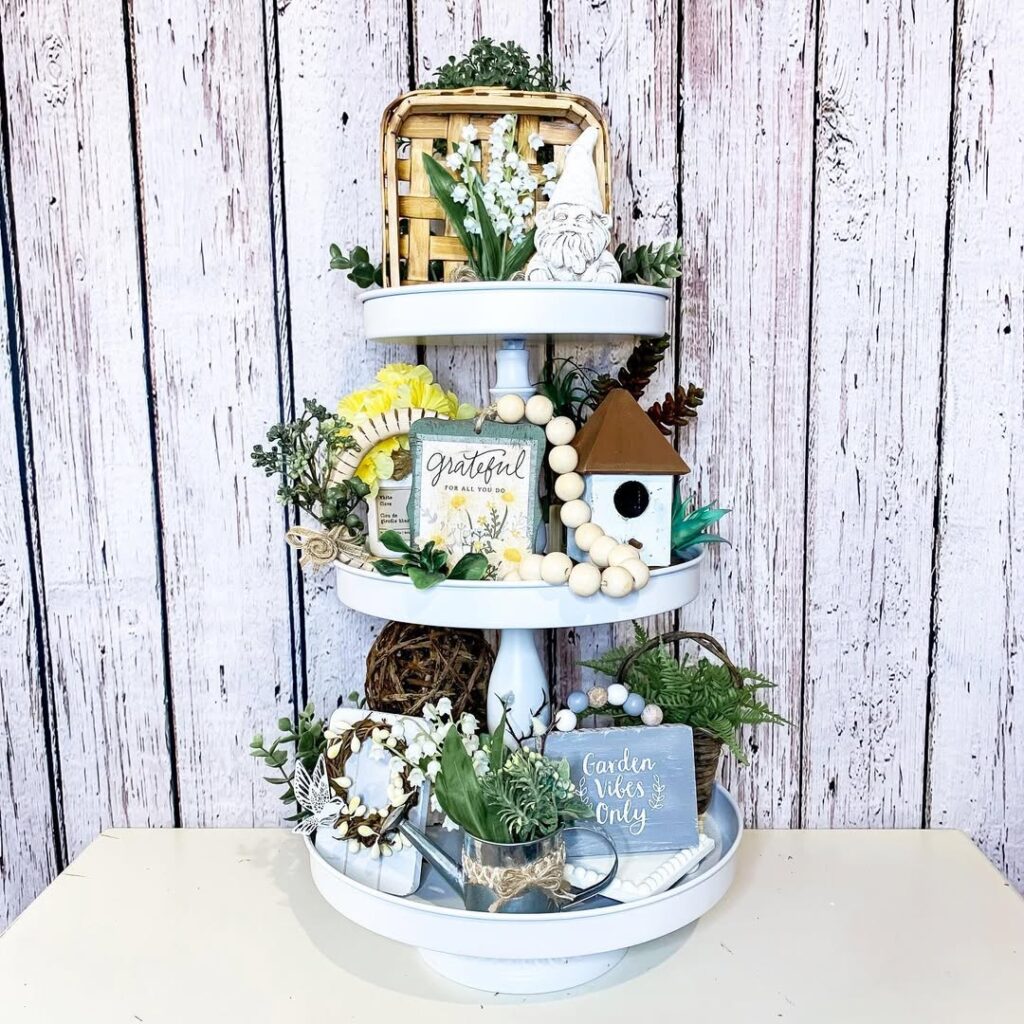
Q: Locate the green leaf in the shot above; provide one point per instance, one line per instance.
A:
(394, 541)
(423, 579)
(469, 567)
(284, 724)
(491, 247)
(498, 750)
(458, 788)
(386, 567)
(518, 254)
(363, 275)
(441, 184)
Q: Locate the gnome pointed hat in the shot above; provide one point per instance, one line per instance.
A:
(578, 181)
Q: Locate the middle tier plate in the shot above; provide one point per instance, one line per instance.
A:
(520, 605)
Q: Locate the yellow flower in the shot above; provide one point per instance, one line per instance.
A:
(514, 555)
(399, 373)
(378, 464)
(458, 501)
(508, 497)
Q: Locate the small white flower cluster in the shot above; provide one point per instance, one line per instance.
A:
(508, 187)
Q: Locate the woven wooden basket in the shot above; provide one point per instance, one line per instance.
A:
(416, 233)
(707, 749)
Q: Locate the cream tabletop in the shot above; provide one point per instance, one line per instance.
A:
(224, 925)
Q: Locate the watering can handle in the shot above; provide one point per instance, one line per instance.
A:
(592, 890)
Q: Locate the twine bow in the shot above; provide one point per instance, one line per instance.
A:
(546, 874)
(318, 548)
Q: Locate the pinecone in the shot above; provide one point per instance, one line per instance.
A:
(677, 410)
(641, 365)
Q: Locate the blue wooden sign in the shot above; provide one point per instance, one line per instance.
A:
(639, 780)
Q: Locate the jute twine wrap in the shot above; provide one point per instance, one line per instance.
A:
(321, 548)
(546, 874)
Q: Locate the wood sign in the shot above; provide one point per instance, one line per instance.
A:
(639, 780)
(476, 491)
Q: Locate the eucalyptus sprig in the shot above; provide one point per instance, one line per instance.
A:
(427, 566)
(307, 741)
(505, 65)
(362, 271)
(304, 453)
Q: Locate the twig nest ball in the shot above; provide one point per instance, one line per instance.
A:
(640, 572)
(597, 696)
(577, 702)
(585, 579)
(601, 549)
(569, 486)
(634, 705)
(565, 720)
(561, 430)
(587, 534)
(529, 567)
(622, 553)
(539, 410)
(563, 458)
(652, 715)
(510, 408)
(617, 695)
(616, 581)
(575, 513)
(555, 568)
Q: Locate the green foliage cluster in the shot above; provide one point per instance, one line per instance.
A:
(305, 737)
(650, 264)
(698, 693)
(500, 65)
(304, 453)
(570, 387)
(522, 797)
(490, 254)
(361, 270)
(427, 566)
(689, 524)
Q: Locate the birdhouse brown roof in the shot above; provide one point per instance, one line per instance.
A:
(621, 438)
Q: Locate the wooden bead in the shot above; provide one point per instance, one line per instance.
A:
(510, 408)
(561, 430)
(529, 567)
(563, 458)
(555, 568)
(575, 513)
(616, 581)
(622, 553)
(586, 535)
(598, 696)
(617, 695)
(569, 486)
(652, 715)
(539, 410)
(639, 571)
(585, 579)
(565, 720)
(600, 550)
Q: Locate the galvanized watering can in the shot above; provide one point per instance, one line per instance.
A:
(507, 878)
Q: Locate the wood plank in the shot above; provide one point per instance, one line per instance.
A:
(880, 209)
(625, 58)
(330, 125)
(72, 191)
(28, 854)
(747, 94)
(975, 763)
(203, 145)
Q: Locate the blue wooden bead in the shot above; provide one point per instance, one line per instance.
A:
(578, 702)
(634, 704)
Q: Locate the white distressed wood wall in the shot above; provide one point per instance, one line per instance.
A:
(848, 181)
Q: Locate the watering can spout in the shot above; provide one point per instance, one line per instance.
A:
(432, 854)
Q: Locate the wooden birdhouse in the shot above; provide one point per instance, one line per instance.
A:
(629, 470)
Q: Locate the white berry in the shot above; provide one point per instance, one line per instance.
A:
(569, 486)
(555, 568)
(565, 720)
(585, 579)
(561, 430)
(539, 410)
(652, 715)
(563, 458)
(529, 567)
(622, 553)
(510, 408)
(586, 535)
(617, 694)
(601, 549)
(616, 581)
(575, 513)
(639, 571)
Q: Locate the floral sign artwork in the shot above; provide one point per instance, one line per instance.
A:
(476, 492)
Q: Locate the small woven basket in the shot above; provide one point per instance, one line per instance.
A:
(416, 232)
(707, 749)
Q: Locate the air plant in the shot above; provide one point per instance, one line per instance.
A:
(690, 521)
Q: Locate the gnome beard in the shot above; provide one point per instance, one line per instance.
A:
(571, 241)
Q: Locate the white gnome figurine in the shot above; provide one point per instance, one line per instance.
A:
(573, 231)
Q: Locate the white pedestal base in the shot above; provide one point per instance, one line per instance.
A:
(512, 362)
(519, 678)
(521, 977)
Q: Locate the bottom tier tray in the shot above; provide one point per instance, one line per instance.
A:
(534, 953)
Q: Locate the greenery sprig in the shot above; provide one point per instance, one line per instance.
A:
(305, 737)
(650, 264)
(304, 452)
(362, 271)
(505, 65)
(427, 566)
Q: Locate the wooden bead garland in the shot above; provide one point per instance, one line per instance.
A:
(613, 568)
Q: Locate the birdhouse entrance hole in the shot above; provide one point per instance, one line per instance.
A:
(631, 499)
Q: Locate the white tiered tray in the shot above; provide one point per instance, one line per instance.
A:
(517, 609)
(533, 952)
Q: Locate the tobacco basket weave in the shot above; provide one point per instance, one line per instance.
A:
(707, 749)
(415, 229)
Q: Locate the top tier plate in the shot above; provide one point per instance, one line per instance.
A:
(481, 311)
